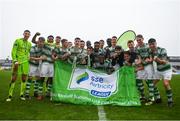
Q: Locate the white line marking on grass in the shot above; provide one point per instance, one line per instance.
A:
(101, 113)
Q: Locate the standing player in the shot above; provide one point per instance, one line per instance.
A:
(75, 51)
(101, 45)
(117, 57)
(99, 59)
(139, 69)
(144, 58)
(88, 43)
(108, 41)
(57, 40)
(164, 69)
(132, 51)
(113, 44)
(70, 44)
(61, 53)
(20, 56)
(83, 54)
(111, 52)
(34, 71)
(49, 42)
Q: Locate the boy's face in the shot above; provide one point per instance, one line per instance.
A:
(126, 57)
(76, 42)
(65, 44)
(153, 45)
(82, 44)
(50, 39)
(26, 35)
(131, 45)
(139, 41)
(58, 40)
(113, 42)
(109, 42)
(40, 43)
(96, 46)
(118, 51)
(69, 44)
(101, 43)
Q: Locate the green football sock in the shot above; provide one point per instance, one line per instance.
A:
(150, 88)
(36, 85)
(11, 88)
(40, 89)
(49, 88)
(140, 86)
(156, 93)
(23, 87)
(28, 85)
(169, 95)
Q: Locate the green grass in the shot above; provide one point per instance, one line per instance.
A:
(33, 109)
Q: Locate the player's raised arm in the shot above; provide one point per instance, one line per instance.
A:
(34, 38)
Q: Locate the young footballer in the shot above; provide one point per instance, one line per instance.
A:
(20, 56)
(164, 70)
(34, 71)
(146, 74)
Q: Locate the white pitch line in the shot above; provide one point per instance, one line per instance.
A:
(101, 113)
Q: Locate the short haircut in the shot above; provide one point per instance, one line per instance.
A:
(101, 40)
(102, 54)
(77, 38)
(108, 39)
(151, 40)
(51, 36)
(42, 38)
(140, 36)
(27, 31)
(58, 37)
(63, 40)
(96, 42)
(114, 37)
(130, 41)
(82, 41)
(90, 47)
(127, 53)
(118, 47)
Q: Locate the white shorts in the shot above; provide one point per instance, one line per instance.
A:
(142, 75)
(34, 70)
(47, 69)
(116, 67)
(149, 71)
(165, 75)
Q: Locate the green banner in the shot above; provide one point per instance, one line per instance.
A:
(85, 86)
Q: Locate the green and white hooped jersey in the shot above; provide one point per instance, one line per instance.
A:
(35, 52)
(112, 50)
(83, 53)
(47, 51)
(74, 51)
(143, 52)
(96, 55)
(60, 51)
(162, 54)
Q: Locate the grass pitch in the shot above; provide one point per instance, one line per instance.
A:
(40, 110)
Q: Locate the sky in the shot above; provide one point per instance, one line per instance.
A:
(91, 20)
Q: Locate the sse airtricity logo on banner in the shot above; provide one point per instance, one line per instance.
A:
(97, 84)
